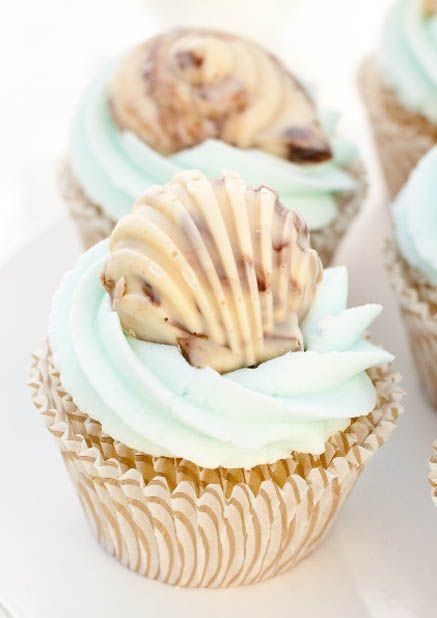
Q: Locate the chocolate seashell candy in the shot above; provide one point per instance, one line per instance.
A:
(185, 86)
(221, 270)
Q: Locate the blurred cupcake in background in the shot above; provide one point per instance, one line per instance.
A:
(399, 87)
(412, 266)
(433, 472)
(212, 101)
(213, 397)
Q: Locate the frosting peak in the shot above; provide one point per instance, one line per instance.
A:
(221, 270)
(185, 86)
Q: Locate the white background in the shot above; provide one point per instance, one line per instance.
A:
(380, 559)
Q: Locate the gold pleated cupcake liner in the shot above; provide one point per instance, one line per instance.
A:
(401, 137)
(418, 303)
(93, 223)
(185, 525)
(433, 472)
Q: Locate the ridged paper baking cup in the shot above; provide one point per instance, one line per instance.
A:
(433, 472)
(401, 138)
(418, 304)
(188, 526)
(94, 225)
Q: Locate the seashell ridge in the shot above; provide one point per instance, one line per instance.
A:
(221, 270)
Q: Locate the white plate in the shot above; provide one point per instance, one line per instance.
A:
(379, 559)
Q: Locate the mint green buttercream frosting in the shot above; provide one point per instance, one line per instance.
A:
(415, 217)
(150, 398)
(408, 56)
(114, 166)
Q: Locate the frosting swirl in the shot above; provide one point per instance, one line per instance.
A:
(115, 166)
(150, 398)
(415, 217)
(185, 86)
(408, 55)
(221, 270)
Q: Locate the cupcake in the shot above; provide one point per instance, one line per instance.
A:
(215, 102)
(213, 399)
(399, 87)
(411, 256)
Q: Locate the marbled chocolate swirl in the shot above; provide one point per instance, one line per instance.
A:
(185, 86)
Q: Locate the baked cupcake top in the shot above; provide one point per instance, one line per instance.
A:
(408, 55)
(247, 351)
(415, 217)
(204, 99)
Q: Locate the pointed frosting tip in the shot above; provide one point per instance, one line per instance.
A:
(185, 86)
(223, 271)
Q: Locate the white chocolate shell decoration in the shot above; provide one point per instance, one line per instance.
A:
(221, 270)
(185, 86)
(430, 6)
